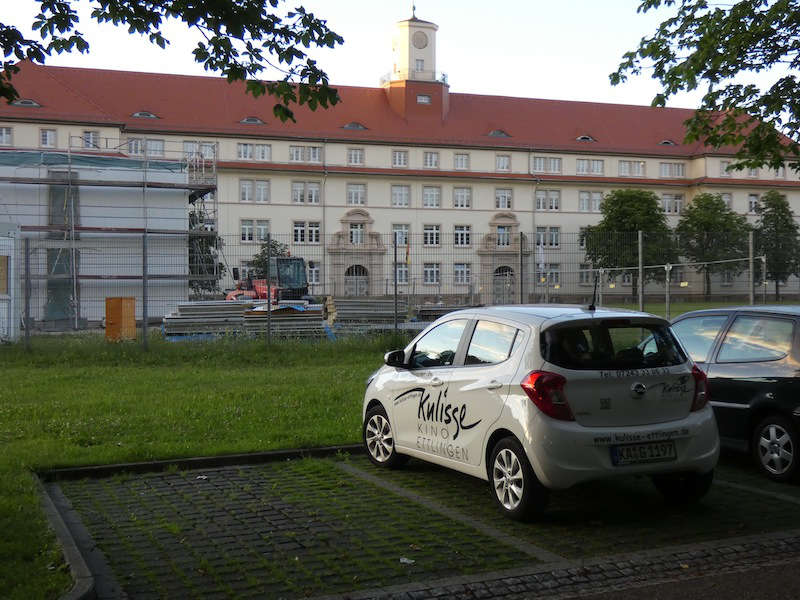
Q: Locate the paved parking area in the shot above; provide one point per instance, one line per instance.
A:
(320, 526)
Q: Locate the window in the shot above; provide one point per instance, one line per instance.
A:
(355, 156)
(437, 348)
(548, 236)
(136, 146)
(502, 162)
(723, 168)
(355, 125)
(299, 232)
(752, 203)
(462, 197)
(430, 235)
(6, 136)
(313, 272)
(585, 274)
(546, 164)
(752, 172)
(400, 196)
(356, 194)
(584, 138)
(589, 201)
(585, 166)
(548, 200)
(252, 121)
(208, 150)
(462, 273)
(194, 149)
(462, 235)
(423, 99)
(91, 139)
(47, 137)
(246, 269)
(356, 233)
(430, 160)
(305, 192)
(727, 199)
(672, 203)
(262, 152)
(305, 154)
(502, 198)
(154, 147)
(780, 172)
(697, 334)
(313, 232)
(430, 273)
(400, 231)
(503, 235)
(262, 229)
(244, 151)
(245, 190)
(631, 168)
(419, 64)
(402, 272)
(553, 274)
(756, 339)
(671, 169)
(399, 158)
(314, 154)
(491, 343)
(295, 154)
(461, 162)
(431, 196)
(191, 148)
(262, 190)
(246, 229)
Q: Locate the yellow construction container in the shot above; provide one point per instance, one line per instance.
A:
(120, 319)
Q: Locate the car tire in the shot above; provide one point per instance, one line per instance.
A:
(515, 488)
(378, 439)
(774, 447)
(683, 488)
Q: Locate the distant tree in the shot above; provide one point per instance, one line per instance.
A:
(717, 46)
(613, 243)
(710, 231)
(259, 261)
(777, 238)
(243, 39)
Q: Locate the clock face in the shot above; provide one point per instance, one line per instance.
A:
(420, 40)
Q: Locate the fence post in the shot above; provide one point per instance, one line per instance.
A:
(641, 271)
(521, 272)
(751, 276)
(144, 291)
(600, 287)
(764, 277)
(27, 246)
(394, 268)
(668, 269)
(269, 290)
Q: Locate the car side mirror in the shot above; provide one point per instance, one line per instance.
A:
(395, 358)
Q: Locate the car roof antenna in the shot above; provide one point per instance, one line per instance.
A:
(594, 292)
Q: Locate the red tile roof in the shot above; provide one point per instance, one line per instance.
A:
(211, 106)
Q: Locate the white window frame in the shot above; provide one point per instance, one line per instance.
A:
(261, 191)
(247, 230)
(246, 190)
(631, 168)
(503, 236)
(430, 160)
(462, 236)
(431, 235)
(462, 197)
(400, 159)
(299, 232)
(357, 234)
(431, 273)
(752, 203)
(91, 139)
(548, 200)
(400, 233)
(462, 273)
(402, 272)
(502, 163)
(503, 198)
(400, 196)
(356, 194)
(262, 152)
(591, 200)
(45, 135)
(262, 229)
(723, 165)
(154, 147)
(461, 161)
(355, 156)
(313, 272)
(296, 153)
(314, 232)
(431, 196)
(243, 151)
(672, 169)
(672, 204)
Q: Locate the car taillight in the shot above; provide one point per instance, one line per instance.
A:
(546, 391)
(700, 389)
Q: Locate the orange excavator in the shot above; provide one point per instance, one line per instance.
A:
(287, 279)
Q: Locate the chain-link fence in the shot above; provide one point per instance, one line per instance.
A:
(65, 277)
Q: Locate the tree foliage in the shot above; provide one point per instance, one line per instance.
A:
(777, 238)
(710, 231)
(613, 243)
(242, 39)
(272, 248)
(710, 44)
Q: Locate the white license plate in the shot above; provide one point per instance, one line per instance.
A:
(634, 454)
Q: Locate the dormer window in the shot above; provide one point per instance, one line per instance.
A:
(26, 102)
(354, 125)
(252, 121)
(144, 114)
(667, 143)
(498, 133)
(423, 99)
(584, 138)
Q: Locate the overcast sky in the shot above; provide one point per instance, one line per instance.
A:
(529, 48)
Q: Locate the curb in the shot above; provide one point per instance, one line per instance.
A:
(83, 588)
(198, 462)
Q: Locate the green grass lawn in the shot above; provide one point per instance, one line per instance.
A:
(80, 401)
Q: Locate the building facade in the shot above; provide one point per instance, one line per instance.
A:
(477, 191)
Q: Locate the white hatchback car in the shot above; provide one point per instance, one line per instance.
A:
(533, 398)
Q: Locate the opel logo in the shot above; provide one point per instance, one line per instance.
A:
(638, 389)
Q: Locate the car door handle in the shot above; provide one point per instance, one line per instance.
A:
(493, 385)
(436, 382)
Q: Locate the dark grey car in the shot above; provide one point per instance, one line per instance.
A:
(751, 356)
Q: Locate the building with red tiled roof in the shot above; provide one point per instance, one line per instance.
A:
(485, 187)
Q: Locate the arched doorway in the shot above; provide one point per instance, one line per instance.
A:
(503, 285)
(356, 281)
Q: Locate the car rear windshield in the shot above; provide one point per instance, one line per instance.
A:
(610, 345)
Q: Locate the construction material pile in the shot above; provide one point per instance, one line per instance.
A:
(364, 310)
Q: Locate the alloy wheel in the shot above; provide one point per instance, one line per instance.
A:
(508, 479)
(380, 441)
(775, 449)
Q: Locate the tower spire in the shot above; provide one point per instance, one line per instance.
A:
(413, 10)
